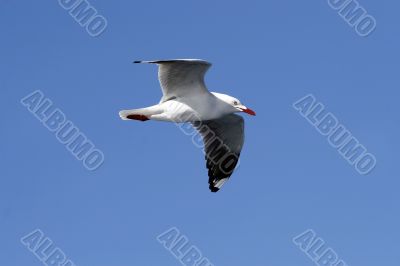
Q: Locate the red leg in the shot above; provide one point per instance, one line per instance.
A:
(138, 117)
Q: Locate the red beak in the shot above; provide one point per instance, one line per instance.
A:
(249, 111)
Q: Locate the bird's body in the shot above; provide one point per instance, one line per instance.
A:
(205, 106)
(186, 99)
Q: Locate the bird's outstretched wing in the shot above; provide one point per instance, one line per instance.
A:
(223, 140)
(181, 77)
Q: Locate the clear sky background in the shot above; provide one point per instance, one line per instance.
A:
(266, 53)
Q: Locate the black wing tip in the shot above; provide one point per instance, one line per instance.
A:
(214, 189)
(145, 62)
(187, 61)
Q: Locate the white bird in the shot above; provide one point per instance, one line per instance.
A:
(186, 100)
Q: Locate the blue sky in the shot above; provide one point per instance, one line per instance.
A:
(266, 53)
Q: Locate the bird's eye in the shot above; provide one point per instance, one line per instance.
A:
(235, 103)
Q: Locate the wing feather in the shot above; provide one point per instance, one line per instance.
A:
(181, 77)
(223, 141)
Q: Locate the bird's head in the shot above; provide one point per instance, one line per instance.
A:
(233, 102)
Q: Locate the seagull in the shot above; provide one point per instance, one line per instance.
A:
(186, 99)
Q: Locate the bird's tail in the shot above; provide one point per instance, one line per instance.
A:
(124, 114)
(141, 114)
